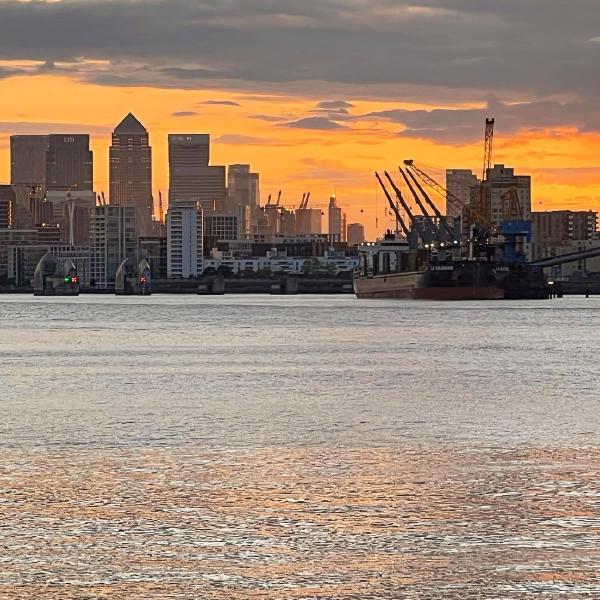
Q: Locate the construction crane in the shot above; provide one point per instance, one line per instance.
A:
(278, 198)
(394, 208)
(306, 200)
(161, 212)
(489, 147)
(268, 201)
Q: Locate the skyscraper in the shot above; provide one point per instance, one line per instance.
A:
(28, 160)
(243, 192)
(27, 174)
(337, 221)
(190, 175)
(69, 163)
(131, 171)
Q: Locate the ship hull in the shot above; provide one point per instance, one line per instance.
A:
(420, 285)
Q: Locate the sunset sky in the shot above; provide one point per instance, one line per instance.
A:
(317, 94)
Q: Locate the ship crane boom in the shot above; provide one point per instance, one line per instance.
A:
(394, 207)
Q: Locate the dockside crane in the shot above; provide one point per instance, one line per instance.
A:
(441, 219)
(394, 208)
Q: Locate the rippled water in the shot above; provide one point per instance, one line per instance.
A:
(298, 447)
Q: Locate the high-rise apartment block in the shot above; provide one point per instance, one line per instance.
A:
(113, 238)
(356, 234)
(553, 230)
(184, 239)
(459, 182)
(190, 175)
(243, 192)
(131, 171)
(500, 183)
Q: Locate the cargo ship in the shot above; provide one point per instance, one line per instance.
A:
(390, 269)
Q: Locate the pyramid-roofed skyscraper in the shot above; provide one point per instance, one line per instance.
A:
(131, 171)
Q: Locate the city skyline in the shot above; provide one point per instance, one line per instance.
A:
(319, 125)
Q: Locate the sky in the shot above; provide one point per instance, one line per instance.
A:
(318, 94)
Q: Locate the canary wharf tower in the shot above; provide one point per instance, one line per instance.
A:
(131, 171)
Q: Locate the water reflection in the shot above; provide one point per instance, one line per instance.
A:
(300, 523)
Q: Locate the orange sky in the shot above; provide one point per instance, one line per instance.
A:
(562, 163)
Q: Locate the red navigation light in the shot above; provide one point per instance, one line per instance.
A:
(143, 280)
(75, 279)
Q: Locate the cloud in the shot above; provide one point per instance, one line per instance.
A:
(334, 105)
(517, 48)
(42, 128)
(248, 140)
(466, 125)
(268, 118)
(221, 102)
(317, 123)
(185, 113)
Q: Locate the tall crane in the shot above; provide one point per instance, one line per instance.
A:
(278, 198)
(489, 147)
(161, 211)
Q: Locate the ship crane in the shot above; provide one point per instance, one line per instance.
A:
(435, 228)
(474, 215)
(399, 218)
(442, 220)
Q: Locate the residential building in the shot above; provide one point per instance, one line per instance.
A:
(184, 239)
(459, 183)
(356, 234)
(131, 171)
(500, 183)
(553, 230)
(113, 238)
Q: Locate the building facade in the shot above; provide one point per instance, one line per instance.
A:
(184, 239)
(131, 171)
(497, 188)
(336, 221)
(7, 203)
(356, 234)
(113, 238)
(188, 153)
(69, 163)
(459, 183)
(557, 229)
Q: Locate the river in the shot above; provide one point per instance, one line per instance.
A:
(298, 447)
